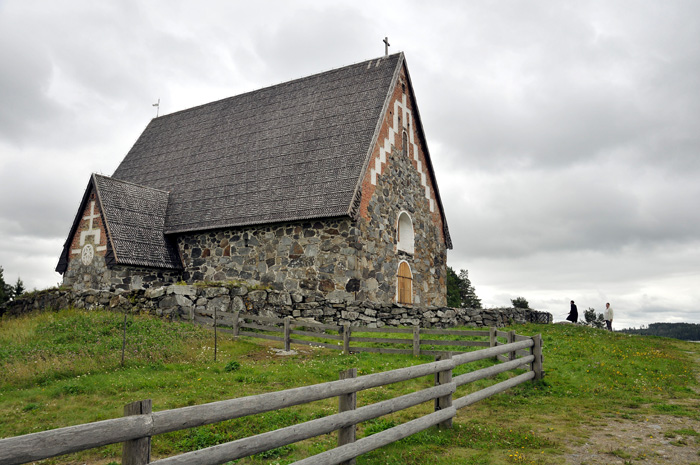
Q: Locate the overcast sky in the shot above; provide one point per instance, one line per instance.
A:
(564, 134)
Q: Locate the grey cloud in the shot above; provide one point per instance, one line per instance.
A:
(24, 85)
(311, 37)
(564, 135)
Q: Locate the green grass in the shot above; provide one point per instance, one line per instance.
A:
(64, 368)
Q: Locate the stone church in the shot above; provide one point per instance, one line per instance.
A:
(321, 187)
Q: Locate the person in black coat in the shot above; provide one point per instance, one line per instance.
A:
(573, 314)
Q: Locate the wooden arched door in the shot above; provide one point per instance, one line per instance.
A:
(405, 284)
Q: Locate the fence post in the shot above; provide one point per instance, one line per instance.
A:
(287, 334)
(347, 402)
(235, 324)
(346, 338)
(216, 335)
(124, 339)
(537, 352)
(416, 341)
(511, 339)
(493, 340)
(444, 377)
(137, 451)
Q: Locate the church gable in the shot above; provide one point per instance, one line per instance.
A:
(400, 211)
(83, 260)
(90, 240)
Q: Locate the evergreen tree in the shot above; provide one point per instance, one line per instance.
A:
(685, 331)
(5, 289)
(591, 318)
(19, 289)
(467, 292)
(520, 302)
(460, 292)
(453, 299)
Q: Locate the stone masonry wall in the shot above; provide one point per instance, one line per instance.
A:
(316, 259)
(98, 276)
(183, 302)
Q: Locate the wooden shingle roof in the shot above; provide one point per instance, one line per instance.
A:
(293, 151)
(135, 217)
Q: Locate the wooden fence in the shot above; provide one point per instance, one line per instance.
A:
(139, 424)
(340, 337)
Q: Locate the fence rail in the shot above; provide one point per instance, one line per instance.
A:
(139, 424)
(343, 339)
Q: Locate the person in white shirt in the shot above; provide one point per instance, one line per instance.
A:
(608, 316)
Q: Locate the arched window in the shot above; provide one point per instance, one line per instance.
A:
(404, 233)
(405, 284)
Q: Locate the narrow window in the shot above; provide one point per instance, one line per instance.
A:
(404, 144)
(404, 234)
(405, 284)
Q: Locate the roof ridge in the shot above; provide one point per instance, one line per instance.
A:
(279, 84)
(130, 183)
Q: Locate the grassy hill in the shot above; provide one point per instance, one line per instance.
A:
(64, 368)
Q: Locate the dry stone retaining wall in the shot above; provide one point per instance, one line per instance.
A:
(183, 302)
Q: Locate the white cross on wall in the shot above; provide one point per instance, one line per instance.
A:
(90, 231)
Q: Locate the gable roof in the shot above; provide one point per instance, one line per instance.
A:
(288, 152)
(134, 217)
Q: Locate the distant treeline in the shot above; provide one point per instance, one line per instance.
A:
(685, 331)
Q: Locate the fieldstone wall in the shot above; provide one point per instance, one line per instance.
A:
(98, 276)
(314, 259)
(183, 302)
(399, 189)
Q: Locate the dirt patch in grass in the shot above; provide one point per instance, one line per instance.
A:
(658, 439)
(653, 439)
